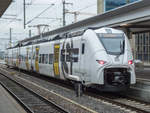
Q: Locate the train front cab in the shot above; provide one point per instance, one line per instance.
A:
(113, 66)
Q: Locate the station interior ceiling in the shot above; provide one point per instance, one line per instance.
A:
(4, 5)
(135, 27)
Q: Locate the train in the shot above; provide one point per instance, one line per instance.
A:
(94, 57)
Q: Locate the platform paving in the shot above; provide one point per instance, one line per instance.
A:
(143, 73)
(8, 104)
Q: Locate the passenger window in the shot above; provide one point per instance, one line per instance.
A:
(46, 58)
(83, 47)
(75, 53)
(40, 58)
(63, 55)
(51, 58)
(34, 56)
(68, 58)
(43, 58)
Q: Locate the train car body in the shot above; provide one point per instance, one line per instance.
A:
(100, 58)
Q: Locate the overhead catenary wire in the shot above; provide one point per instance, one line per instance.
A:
(20, 12)
(39, 14)
(86, 7)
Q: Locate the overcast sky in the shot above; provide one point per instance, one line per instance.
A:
(52, 16)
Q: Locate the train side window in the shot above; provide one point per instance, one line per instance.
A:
(46, 58)
(63, 55)
(43, 58)
(83, 47)
(34, 56)
(40, 58)
(68, 58)
(51, 58)
(75, 53)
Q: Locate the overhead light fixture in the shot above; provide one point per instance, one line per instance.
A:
(124, 24)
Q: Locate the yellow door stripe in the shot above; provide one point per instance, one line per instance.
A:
(56, 60)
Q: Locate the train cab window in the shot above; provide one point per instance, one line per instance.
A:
(51, 58)
(113, 43)
(83, 47)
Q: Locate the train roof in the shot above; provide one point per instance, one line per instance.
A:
(40, 39)
(64, 35)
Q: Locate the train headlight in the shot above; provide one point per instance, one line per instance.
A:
(130, 62)
(101, 62)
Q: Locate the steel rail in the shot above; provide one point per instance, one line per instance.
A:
(112, 101)
(25, 107)
(32, 92)
(138, 110)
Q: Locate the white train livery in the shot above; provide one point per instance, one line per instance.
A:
(100, 58)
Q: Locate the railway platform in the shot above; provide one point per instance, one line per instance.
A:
(141, 90)
(8, 104)
(143, 73)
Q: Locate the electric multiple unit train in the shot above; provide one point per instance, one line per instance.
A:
(100, 58)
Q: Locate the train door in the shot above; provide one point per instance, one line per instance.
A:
(6, 56)
(69, 58)
(74, 56)
(56, 60)
(11, 56)
(51, 59)
(82, 60)
(27, 58)
(66, 58)
(17, 58)
(32, 58)
(37, 58)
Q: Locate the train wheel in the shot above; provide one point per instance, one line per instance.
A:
(78, 89)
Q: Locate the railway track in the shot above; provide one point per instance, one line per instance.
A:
(30, 100)
(121, 102)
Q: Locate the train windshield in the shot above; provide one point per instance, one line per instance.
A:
(113, 43)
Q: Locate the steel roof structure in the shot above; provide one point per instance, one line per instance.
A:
(4, 5)
(130, 15)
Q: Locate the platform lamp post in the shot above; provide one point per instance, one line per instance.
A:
(10, 36)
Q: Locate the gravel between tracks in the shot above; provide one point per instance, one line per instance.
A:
(98, 106)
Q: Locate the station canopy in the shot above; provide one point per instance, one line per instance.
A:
(4, 5)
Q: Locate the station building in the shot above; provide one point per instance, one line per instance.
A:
(106, 5)
(139, 38)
